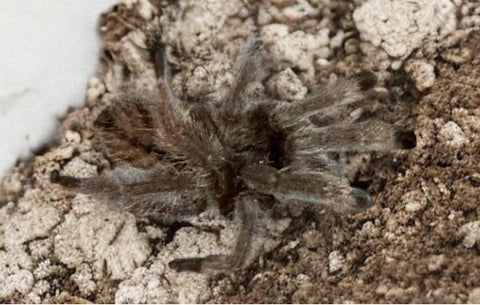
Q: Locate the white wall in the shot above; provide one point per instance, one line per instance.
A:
(48, 51)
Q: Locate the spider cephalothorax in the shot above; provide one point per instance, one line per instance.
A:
(172, 158)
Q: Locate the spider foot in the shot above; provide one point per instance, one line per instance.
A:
(67, 181)
(186, 264)
(208, 263)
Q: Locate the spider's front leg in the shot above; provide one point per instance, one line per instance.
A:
(234, 102)
(246, 212)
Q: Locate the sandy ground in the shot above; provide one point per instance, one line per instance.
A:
(419, 243)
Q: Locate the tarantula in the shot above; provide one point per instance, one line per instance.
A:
(173, 159)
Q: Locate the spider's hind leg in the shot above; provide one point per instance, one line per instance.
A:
(245, 209)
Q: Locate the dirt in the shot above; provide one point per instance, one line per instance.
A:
(419, 243)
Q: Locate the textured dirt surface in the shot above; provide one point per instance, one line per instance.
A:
(419, 243)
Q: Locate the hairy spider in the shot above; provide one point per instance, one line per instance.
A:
(172, 159)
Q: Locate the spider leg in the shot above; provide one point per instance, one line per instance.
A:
(234, 103)
(186, 130)
(314, 163)
(162, 72)
(126, 132)
(245, 210)
(368, 135)
(155, 193)
(344, 91)
(326, 188)
(139, 131)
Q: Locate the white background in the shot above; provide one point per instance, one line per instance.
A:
(48, 51)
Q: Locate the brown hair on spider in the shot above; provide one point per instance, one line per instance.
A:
(173, 159)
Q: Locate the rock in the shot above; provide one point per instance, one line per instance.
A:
(287, 85)
(335, 261)
(474, 296)
(400, 26)
(471, 230)
(452, 135)
(414, 201)
(436, 262)
(422, 73)
(296, 49)
(72, 136)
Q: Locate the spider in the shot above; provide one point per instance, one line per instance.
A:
(174, 159)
